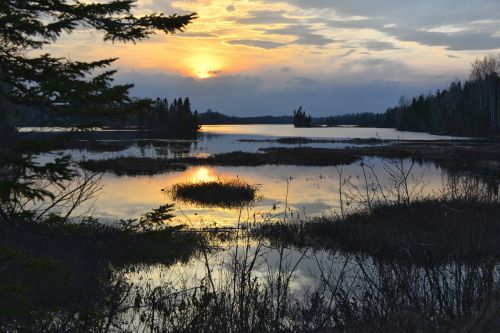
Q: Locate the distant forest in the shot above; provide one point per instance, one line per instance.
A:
(216, 118)
(173, 117)
(465, 108)
(468, 108)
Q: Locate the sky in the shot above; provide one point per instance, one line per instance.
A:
(330, 56)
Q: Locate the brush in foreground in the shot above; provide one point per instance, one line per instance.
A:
(217, 193)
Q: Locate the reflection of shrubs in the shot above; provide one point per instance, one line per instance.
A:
(217, 193)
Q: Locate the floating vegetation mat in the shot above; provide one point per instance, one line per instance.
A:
(217, 193)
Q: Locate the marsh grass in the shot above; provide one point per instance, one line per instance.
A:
(447, 154)
(255, 290)
(225, 193)
(133, 166)
(424, 232)
(136, 166)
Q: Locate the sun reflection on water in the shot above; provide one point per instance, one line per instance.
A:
(202, 175)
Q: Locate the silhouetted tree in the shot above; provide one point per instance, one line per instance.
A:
(176, 118)
(300, 119)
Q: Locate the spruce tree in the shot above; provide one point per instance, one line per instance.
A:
(43, 80)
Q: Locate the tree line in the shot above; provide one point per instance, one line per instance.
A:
(176, 116)
(465, 108)
(468, 108)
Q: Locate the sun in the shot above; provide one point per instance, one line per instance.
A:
(205, 66)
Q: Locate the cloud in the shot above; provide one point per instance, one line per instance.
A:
(230, 8)
(408, 13)
(302, 81)
(374, 45)
(265, 17)
(305, 35)
(469, 25)
(188, 34)
(355, 24)
(458, 41)
(313, 39)
(347, 53)
(161, 6)
(263, 44)
(249, 95)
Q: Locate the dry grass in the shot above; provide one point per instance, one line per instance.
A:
(425, 232)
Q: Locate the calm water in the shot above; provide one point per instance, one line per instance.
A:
(273, 131)
(216, 139)
(327, 132)
(312, 191)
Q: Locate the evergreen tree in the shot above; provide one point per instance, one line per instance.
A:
(300, 119)
(27, 26)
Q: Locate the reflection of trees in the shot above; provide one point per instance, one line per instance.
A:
(350, 293)
(488, 174)
(254, 290)
(393, 296)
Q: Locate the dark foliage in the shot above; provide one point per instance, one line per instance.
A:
(300, 119)
(365, 119)
(423, 232)
(53, 277)
(215, 118)
(44, 80)
(176, 118)
(471, 108)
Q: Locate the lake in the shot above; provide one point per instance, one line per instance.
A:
(340, 132)
(312, 191)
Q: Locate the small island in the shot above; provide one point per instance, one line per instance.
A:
(301, 120)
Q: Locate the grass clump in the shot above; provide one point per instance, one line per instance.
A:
(217, 193)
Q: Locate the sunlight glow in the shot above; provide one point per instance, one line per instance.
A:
(205, 66)
(279, 41)
(202, 175)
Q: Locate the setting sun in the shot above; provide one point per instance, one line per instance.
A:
(205, 66)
